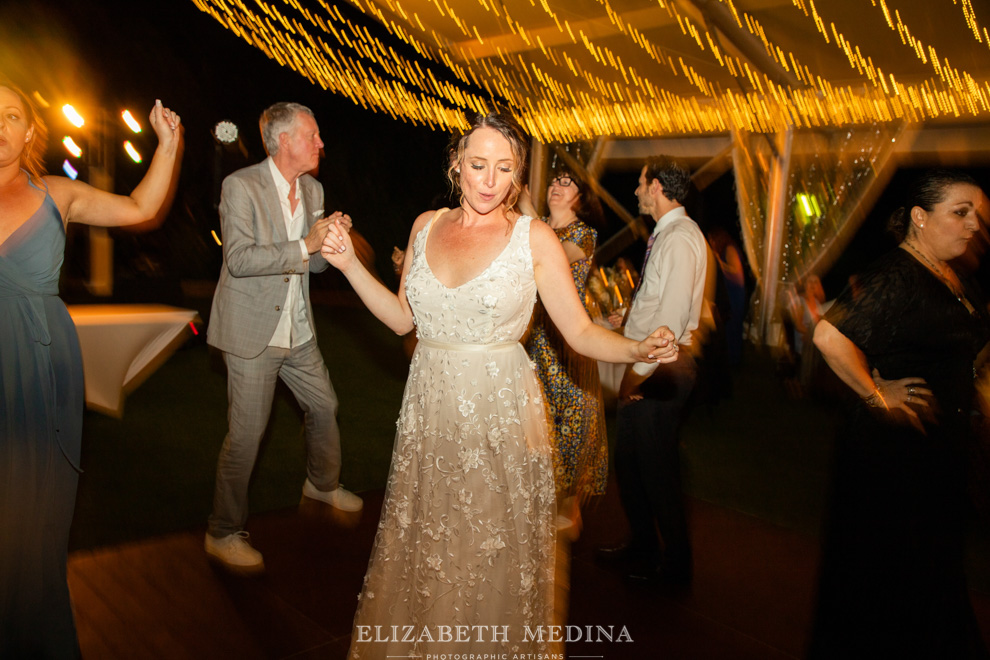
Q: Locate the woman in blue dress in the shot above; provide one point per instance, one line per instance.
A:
(41, 376)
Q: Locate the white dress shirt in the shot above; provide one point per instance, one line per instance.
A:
(293, 326)
(672, 287)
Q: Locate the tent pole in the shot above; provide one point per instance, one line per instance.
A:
(776, 223)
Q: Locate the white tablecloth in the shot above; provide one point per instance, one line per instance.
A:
(124, 344)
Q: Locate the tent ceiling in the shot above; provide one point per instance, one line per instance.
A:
(574, 69)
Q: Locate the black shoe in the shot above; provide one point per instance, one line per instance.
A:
(620, 555)
(671, 575)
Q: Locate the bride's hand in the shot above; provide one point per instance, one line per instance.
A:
(337, 247)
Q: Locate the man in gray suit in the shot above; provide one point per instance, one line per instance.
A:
(262, 321)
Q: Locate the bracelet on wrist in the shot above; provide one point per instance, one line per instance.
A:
(875, 399)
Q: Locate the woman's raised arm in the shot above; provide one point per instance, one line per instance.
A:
(80, 202)
(390, 308)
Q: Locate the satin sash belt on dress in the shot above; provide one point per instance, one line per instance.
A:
(473, 348)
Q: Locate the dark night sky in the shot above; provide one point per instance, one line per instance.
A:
(380, 170)
(126, 54)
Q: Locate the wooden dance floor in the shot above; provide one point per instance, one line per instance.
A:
(752, 596)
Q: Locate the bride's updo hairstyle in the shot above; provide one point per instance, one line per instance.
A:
(926, 191)
(507, 128)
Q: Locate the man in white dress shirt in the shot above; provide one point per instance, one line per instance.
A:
(271, 216)
(652, 397)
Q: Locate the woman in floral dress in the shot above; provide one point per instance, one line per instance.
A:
(571, 384)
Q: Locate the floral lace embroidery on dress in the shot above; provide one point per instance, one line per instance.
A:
(466, 539)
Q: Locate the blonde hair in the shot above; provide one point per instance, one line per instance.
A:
(507, 128)
(33, 155)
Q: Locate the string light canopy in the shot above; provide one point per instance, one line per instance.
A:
(574, 69)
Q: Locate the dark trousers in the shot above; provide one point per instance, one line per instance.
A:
(647, 463)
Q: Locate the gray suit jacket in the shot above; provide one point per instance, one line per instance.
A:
(258, 260)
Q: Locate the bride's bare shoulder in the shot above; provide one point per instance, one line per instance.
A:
(423, 219)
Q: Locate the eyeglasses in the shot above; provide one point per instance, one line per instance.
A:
(563, 181)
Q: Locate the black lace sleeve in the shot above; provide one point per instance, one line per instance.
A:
(869, 310)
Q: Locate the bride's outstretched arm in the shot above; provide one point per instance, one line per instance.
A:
(391, 309)
(559, 297)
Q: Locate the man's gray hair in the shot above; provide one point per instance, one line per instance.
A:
(278, 119)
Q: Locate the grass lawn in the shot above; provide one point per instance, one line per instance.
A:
(152, 471)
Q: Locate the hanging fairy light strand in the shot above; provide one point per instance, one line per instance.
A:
(980, 34)
(557, 95)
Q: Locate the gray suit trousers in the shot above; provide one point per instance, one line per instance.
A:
(250, 391)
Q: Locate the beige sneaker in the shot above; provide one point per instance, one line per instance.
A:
(235, 553)
(341, 498)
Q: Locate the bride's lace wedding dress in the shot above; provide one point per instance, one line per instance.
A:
(464, 556)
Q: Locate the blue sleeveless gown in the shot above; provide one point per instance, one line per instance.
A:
(41, 412)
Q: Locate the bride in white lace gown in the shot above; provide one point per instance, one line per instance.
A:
(464, 557)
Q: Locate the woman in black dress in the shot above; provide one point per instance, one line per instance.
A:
(892, 583)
